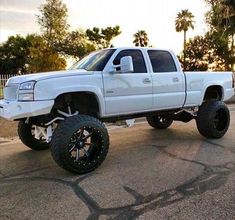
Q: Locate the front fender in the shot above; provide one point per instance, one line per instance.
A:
(51, 89)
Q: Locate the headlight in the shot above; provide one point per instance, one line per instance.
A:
(26, 92)
(25, 97)
(27, 85)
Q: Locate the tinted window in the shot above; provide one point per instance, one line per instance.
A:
(162, 61)
(137, 57)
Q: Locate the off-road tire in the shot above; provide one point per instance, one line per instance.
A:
(61, 140)
(213, 119)
(159, 122)
(27, 138)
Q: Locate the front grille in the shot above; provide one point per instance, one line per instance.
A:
(10, 92)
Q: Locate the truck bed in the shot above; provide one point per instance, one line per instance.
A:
(198, 82)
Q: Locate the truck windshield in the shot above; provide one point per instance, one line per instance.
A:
(95, 61)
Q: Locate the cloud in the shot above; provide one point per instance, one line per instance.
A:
(18, 17)
(21, 5)
(17, 10)
(18, 21)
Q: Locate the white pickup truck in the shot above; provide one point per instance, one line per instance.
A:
(65, 110)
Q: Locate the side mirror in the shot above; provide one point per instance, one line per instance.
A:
(126, 64)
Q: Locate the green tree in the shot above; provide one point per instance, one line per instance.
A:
(109, 33)
(95, 36)
(77, 45)
(183, 22)
(53, 22)
(30, 54)
(43, 58)
(14, 55)
(200, 54)
(102, 38)
(141, 39)
(230, 3)
(221, 21)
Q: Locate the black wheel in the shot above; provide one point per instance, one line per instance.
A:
(27, 135)
(80, 144)
(159, 122)
(213, 119)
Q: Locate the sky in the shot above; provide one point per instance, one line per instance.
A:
(156, 17)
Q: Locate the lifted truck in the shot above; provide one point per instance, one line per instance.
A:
(66, 110)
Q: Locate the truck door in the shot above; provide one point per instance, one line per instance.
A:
(127, 93)
(168, 82)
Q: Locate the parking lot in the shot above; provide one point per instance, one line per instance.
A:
(148, 174)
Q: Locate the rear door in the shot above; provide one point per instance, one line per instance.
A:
(127, 93)
(168, 81)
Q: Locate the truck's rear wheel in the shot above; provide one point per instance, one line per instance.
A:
(26, 132)
(159, 122)
(213, 119)
(80, 144)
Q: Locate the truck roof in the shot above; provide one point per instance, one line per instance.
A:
(141, 48)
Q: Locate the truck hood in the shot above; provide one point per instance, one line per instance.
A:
(47, 75)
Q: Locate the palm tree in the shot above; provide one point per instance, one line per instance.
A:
(183, 22)
(141, 39)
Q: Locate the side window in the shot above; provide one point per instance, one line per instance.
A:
(137, 57)
(162, 61)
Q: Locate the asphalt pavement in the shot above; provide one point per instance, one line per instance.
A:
(148, 174)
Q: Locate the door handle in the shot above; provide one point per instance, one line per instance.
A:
(146, 80)
(176, 79)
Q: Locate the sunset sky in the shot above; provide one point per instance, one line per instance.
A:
(156, 17)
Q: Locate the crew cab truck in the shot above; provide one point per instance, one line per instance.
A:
(66, 110)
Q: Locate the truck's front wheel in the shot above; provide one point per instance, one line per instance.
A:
(213, 119)
(26, 132)
(80, 144)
